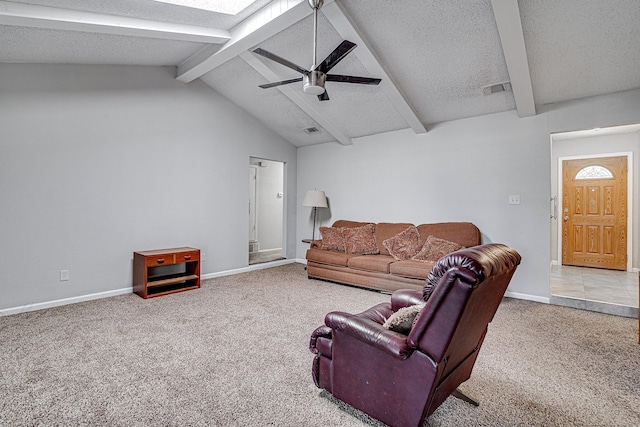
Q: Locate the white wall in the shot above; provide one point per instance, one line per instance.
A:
(460, 171)
(99, 161)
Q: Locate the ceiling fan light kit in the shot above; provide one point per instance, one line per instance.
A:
(313, 83)
(313, 80)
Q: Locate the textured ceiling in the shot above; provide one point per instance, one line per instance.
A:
(41, 45)
(154, 11)
(434, 57)
(580, 48)
(440, 54)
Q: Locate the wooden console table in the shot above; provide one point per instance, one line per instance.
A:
(165, 271)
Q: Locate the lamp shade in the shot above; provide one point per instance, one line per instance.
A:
(315, 198)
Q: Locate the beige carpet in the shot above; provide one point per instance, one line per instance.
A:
(235, 353)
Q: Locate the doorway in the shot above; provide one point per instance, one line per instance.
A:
(266, 210)
(594, 265)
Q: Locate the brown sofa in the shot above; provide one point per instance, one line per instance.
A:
(382, 271)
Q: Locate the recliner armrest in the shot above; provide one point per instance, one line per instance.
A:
(405, 298)
(320, 332)
(370, 332)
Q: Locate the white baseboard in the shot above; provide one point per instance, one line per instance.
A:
(254, 267)
(64, 301)
(123, 291)
(527, 297)
(56, 303)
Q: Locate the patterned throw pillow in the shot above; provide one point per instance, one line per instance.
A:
(404, 245)
(402, 320)
(332, 239)
(435, 248)
(361, 240)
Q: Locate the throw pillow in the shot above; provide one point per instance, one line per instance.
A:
(332, 239)
(404, 245)
(402, 320)
(435, 248)
(361, 240)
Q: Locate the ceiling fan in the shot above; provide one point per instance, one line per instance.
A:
(314, 79)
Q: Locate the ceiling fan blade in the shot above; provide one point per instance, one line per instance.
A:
(324, 96)
(352, 79)
(280, 60)
(336, 56)
(283, 82)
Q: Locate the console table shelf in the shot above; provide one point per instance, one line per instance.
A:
(165, 271)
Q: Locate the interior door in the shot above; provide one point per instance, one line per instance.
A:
(594, 212)
(253, 226)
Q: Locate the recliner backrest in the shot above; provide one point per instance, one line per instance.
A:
(468, 287)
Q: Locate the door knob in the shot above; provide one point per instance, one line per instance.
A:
(566, 218)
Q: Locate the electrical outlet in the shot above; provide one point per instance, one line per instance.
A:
(64, 275)
(203, 256)
(514, 199)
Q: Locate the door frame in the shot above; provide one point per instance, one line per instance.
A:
(255, 203)
(285, 198)
(629, 155)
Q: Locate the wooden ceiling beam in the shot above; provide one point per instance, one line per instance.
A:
(507, 14)
(267, 22)
(27, 15)
(336, 14)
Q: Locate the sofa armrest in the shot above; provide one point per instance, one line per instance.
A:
(405, 298)
(370, 332)
(316, 244)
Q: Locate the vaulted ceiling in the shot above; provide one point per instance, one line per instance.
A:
(435, 58)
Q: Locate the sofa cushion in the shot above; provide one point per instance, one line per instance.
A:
(361, 240)
(379, 263)
(342, 223)
(329, 257)
(402, 320)
(463, 233)
(386, 230)
(332, 239)
(435, 248)
(405, 244)
(411, 268)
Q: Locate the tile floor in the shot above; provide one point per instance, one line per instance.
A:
(265, 256)
(606, 291)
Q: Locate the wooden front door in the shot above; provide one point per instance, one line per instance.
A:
(594, 212)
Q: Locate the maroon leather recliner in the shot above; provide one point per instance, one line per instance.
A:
(401, 379)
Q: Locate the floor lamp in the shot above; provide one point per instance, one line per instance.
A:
(315, 199)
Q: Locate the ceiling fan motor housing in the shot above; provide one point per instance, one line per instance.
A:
(313, 82)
